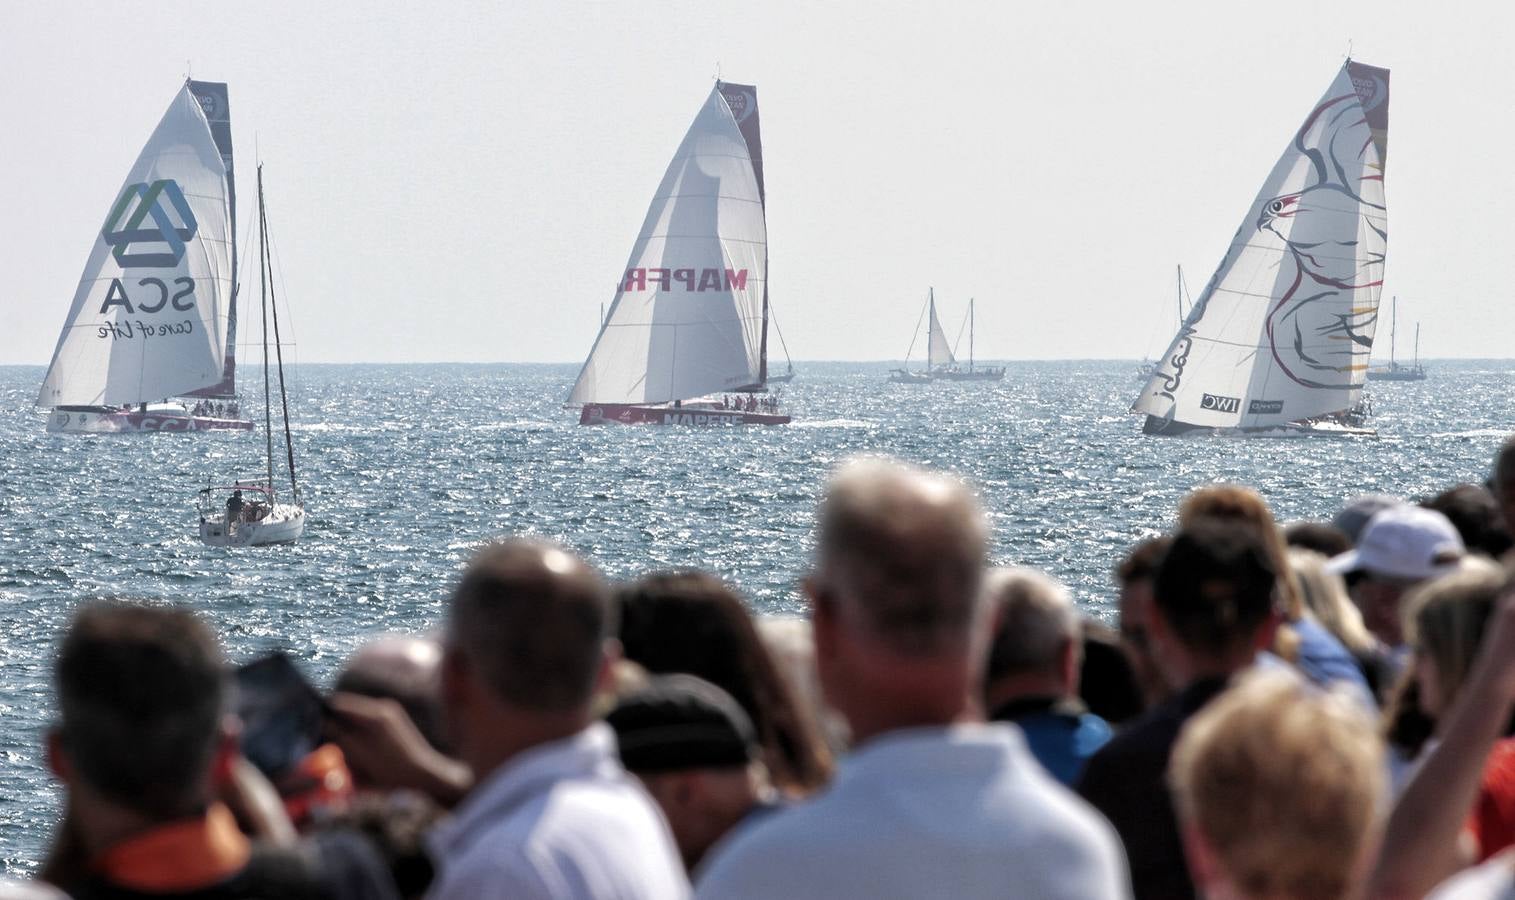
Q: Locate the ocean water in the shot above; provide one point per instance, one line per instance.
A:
(406, 469)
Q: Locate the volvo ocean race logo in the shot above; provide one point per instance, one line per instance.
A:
(741, 102)
(127, 226)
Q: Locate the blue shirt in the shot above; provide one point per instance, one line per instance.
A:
(1062, 734)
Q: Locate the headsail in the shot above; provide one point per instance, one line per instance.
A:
(688, 316)
(148, 319)
(938, 352)
(1284, 328)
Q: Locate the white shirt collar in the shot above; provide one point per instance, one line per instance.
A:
(589, 753)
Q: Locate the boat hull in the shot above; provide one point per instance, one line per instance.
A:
(1401, 375)
(62, 421)
(975, 375)
(1169, 428)
(630, 414)
(905, 376)
(284, 524)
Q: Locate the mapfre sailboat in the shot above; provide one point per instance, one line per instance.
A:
(686, 338)
(248, 512)
(150, 340)
(1280, 338)
(1397, 371)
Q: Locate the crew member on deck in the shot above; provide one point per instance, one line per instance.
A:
(234, 507)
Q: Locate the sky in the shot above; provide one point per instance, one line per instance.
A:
(463, 182)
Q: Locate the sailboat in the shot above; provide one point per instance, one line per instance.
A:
(686, 339)
(150, 339)
(248, 512)
(1145, 369)
(953, 372)
(938, 353)
(1396, 371)
(1280, 338)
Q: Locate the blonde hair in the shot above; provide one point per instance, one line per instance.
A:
(1445, 619)
(1325, 595)
(1285, 783)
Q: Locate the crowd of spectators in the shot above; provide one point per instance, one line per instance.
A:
(1320, 710)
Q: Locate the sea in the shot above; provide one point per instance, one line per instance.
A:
(406, 469)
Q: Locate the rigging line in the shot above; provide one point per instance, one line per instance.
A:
(915, 336)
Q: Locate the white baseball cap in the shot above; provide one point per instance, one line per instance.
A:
(1407, 542)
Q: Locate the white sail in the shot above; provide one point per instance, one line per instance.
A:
(1284, 328)
(148, 319)
(938, 353)
(687, 319)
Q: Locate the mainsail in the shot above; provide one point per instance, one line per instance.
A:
(1283, 331)
(149, 317)
(938, 352)
(690, 313)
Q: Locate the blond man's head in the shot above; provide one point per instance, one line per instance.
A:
(1279, 788)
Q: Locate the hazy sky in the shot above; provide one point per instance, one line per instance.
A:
(460, 181)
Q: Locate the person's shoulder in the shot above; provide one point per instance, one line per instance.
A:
(761, 853)
(1494, 880)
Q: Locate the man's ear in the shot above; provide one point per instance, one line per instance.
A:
(610, 654)
(1267, 631)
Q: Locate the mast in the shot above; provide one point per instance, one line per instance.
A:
(1417, 345)
(273, 305)
(263, 276)
(1393, 329)
(970, 334)
(930, 324)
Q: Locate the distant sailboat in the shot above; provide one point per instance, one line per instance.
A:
(953, 372)
(1280, 338)
(941, 362)
(1145, 369)
(227, 517)
(689, 322)
(1395, 371)
(937, 351)
(150, 339)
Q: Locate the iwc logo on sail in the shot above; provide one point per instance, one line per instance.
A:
(1218, 403)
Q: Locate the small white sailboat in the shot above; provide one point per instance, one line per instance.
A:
(1146, 367)
(248, 512)
(150, 339)
(941, 361)
(954, 372)
(1397, 371)
(938, 353)
(1279, 340)
(686, 339)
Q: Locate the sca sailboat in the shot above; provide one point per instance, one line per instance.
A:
(1279, 340)
(941, 361)
(249, 512)
(1396, 371)
(150, 339)
(686, 339)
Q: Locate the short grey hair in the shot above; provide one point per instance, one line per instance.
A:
(1037, 619)
(908, 547)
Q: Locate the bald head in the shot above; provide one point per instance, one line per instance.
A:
(533, 620)
(903, 551)
(404, 669)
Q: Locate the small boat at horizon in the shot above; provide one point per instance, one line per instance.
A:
(1396, 371)
(149, 343)
(685, 341)
(1279, 340)
(941, 361)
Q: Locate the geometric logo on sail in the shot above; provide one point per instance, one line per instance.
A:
(128, 225)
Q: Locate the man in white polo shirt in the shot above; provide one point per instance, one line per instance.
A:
(932, 802)
(553, 813)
